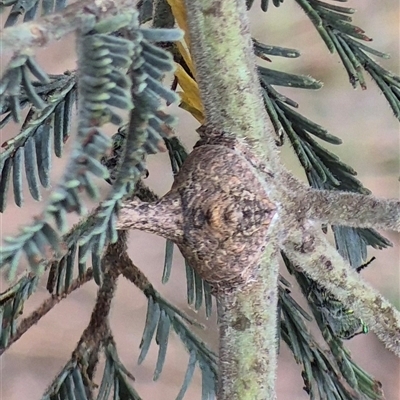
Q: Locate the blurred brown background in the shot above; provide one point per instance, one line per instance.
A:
(371, 145)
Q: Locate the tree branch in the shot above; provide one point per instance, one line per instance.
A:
(222, 51)
(41, 32)
(131, 272)
(248, 336)
(163, 217)
(350, 209)
(309, 250)
(98, 329)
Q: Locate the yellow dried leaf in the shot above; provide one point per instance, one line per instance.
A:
(186, 56)
(191, 94)
(186, 106)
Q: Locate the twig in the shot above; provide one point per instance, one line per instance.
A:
(118, 259)
(231, 94)
(41, 32)
(44, 308)
(163, 218)
(351, 209)
(131, 272)
(98, 331)
(308, 249)
(98, 324)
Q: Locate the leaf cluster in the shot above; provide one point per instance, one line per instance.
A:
(334, 24)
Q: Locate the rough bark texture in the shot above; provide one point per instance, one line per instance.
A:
(248, 336)
(312, 252)
(222, 51)
(226, 213)
(55, 26)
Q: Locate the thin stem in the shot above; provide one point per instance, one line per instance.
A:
(120, 260)
(44, 308)
(131, 272)
(351, 209)
(41, 32)
(164, 217)
(222, 50)
(308, 249)
(98, 329)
